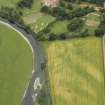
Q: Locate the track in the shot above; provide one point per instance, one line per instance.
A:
(38, 75)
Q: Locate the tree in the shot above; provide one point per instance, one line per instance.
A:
(25, 3)
(62, 3)
(62, 36)
(45, 9)
(69, 6)
(85, 33)
(100, 2)
(99, 32)
(75, 24)
(11, 15)
(59, 13)
(52, 37)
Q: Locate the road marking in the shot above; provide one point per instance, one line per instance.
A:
(33, 71)
(37, 84)
(34, 96)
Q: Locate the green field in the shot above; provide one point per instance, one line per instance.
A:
(15, 66)
(75, 70)
(37, 20)
(60, 27)
(9, 3)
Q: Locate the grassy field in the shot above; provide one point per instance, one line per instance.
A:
(9, 3)
(37, 20)
(60, 27)
(42, 22)
(15, 66)
(76, 71)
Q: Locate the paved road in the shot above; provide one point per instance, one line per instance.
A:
(38, 75)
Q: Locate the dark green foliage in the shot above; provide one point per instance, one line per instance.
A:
(79, 12)
(66, 11)
(62, 36)
(95, 1)
(85, 33)
(25, 3)
(75, 24)
(45, 9)
(69, 6)
(62, 3)
(14, 16)
(11, 15)
(59, 12)
(100, 31)
(52, 37)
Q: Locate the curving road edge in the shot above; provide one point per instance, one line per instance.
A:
(38, 75)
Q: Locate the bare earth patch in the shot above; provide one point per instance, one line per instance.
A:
(52, 3)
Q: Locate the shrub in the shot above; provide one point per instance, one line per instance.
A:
(62, 36)
(52, 37)
(85, 33)
(45, 9)
(25, 3)
(75, 24)
(99, 32)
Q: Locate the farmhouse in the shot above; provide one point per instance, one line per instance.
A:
(52, 3)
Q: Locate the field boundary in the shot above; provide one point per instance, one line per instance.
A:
(103, 44)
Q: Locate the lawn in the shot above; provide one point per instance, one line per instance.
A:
(60, 27)
(42, 22)
(16, 65)
(8, 3)
(35, 8)
(75, 70)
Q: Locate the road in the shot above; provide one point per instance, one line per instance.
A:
(38, 75)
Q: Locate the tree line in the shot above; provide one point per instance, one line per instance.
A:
(62, 13)
(100, 2)
(14, 16)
